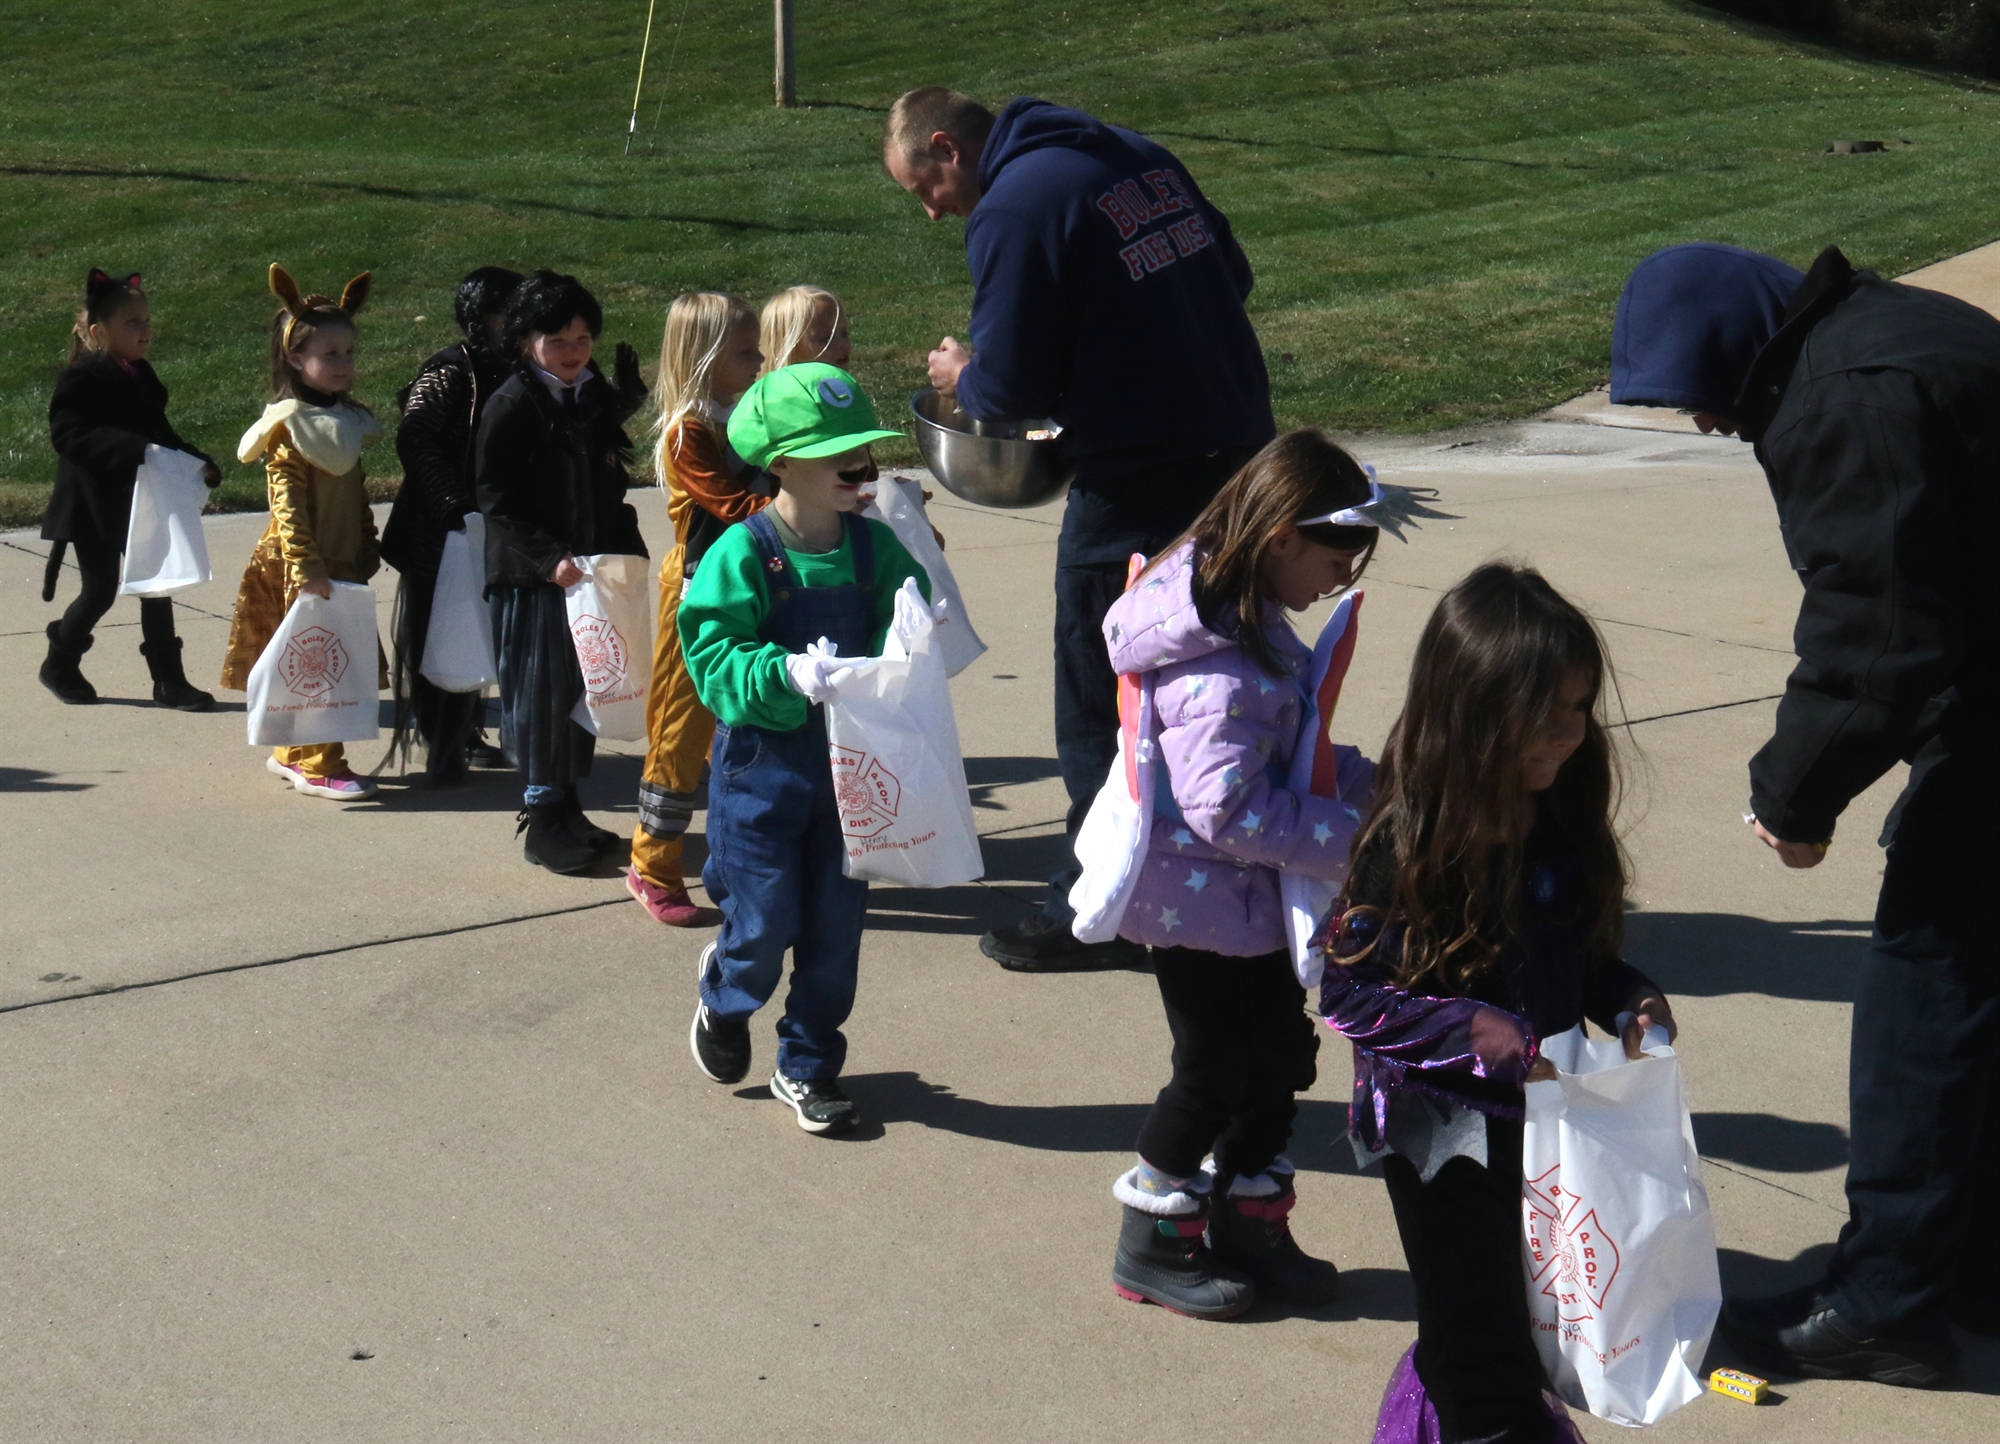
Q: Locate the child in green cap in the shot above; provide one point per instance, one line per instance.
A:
(805, 579)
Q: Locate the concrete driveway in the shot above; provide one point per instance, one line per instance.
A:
(333, 1123)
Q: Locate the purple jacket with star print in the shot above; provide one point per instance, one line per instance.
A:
(1224, 823)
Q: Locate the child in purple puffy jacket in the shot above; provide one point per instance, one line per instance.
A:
(1207, 620)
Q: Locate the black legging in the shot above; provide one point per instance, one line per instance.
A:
(1243, 1048)
(99, 564)
(1476, 1349)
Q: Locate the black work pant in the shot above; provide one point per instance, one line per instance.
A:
(1243, 1047)
(1102, 528)
(99, 565)
(1476, 1348)
(1923, 1181)
(445, 720)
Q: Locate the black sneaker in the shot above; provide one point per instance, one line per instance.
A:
(1801, 1332)
(821, 1104)
(1040, 944)
(481, 753)
(721, 1046)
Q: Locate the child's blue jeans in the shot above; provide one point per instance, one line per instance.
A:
(774, 868)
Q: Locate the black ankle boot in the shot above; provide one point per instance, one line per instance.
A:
(597, 839)
(1255, 1236)
(170, 684)
(60, 672)
(552, 842)
(1162, 1259)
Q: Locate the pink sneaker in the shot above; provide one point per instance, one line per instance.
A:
(340, 786)
(278, 769)
(676, 909)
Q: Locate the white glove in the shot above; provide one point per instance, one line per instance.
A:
(809, 671)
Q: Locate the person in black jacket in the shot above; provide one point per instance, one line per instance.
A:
(550, 467)
(440, 419)
(108, 407)
(1108, 295)
(1875, 411)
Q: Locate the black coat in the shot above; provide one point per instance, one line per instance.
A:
(101, 419)
(552, 483)
(1876, 414)
(435, 442)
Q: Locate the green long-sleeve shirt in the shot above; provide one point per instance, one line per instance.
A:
(739, 676)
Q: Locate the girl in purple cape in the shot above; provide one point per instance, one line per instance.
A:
(1484, 913)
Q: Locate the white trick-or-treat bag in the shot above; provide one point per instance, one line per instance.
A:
(899, 505)
(611, 623)
(316, 680)
(165, 549)
(458, 644)
(1617, 1238)
(898, 777)
(1111, 844)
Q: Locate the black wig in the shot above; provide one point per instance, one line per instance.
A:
(483, 293)
(545, 303)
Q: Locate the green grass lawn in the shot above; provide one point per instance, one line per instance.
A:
(1440, 199)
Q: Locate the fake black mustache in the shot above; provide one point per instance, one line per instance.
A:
(853, 477)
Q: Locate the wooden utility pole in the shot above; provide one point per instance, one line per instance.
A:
(787, 72)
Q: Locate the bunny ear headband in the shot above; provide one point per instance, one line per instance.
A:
(99, 282)
(1390, 508)
(353, 296)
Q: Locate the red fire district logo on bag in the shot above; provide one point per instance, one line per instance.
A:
(313, 662)
(600, 652)
(866, 792)
(1570, 1256)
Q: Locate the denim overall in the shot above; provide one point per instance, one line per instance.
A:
(774, 841)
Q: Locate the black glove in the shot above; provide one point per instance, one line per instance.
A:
(626, 380)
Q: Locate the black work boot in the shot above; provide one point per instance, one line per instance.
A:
(171, 687)
(1254, 1234)
(1042, 944)
(60, 672)
(552, 843)
(1162, 1259)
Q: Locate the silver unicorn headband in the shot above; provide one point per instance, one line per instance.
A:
(1390, 508)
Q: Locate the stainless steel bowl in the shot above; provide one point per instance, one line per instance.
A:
(988, 463)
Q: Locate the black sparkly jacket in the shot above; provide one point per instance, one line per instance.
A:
(440, 418)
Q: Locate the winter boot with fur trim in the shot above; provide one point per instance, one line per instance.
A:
(1250, 1229)
(1162, 1259)
(61, 674)
(171, 687)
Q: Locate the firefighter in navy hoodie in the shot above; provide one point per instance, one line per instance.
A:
(1107, 295)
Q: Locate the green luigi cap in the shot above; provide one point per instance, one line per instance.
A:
(808, 410)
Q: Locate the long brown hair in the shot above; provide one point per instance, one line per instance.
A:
(1301, 474)
(1487, 673)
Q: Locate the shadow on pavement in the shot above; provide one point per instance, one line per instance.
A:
(1771, 1143)
(986, 775)
(903, 1097)
(30, 779)
(1711, 954)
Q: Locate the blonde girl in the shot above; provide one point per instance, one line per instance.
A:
(804, 323)
(321, 531)
(708, 358)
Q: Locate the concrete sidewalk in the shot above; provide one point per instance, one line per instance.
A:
(339, 1123)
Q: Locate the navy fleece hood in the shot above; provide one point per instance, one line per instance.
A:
(1108, 295)
(1690, 321)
